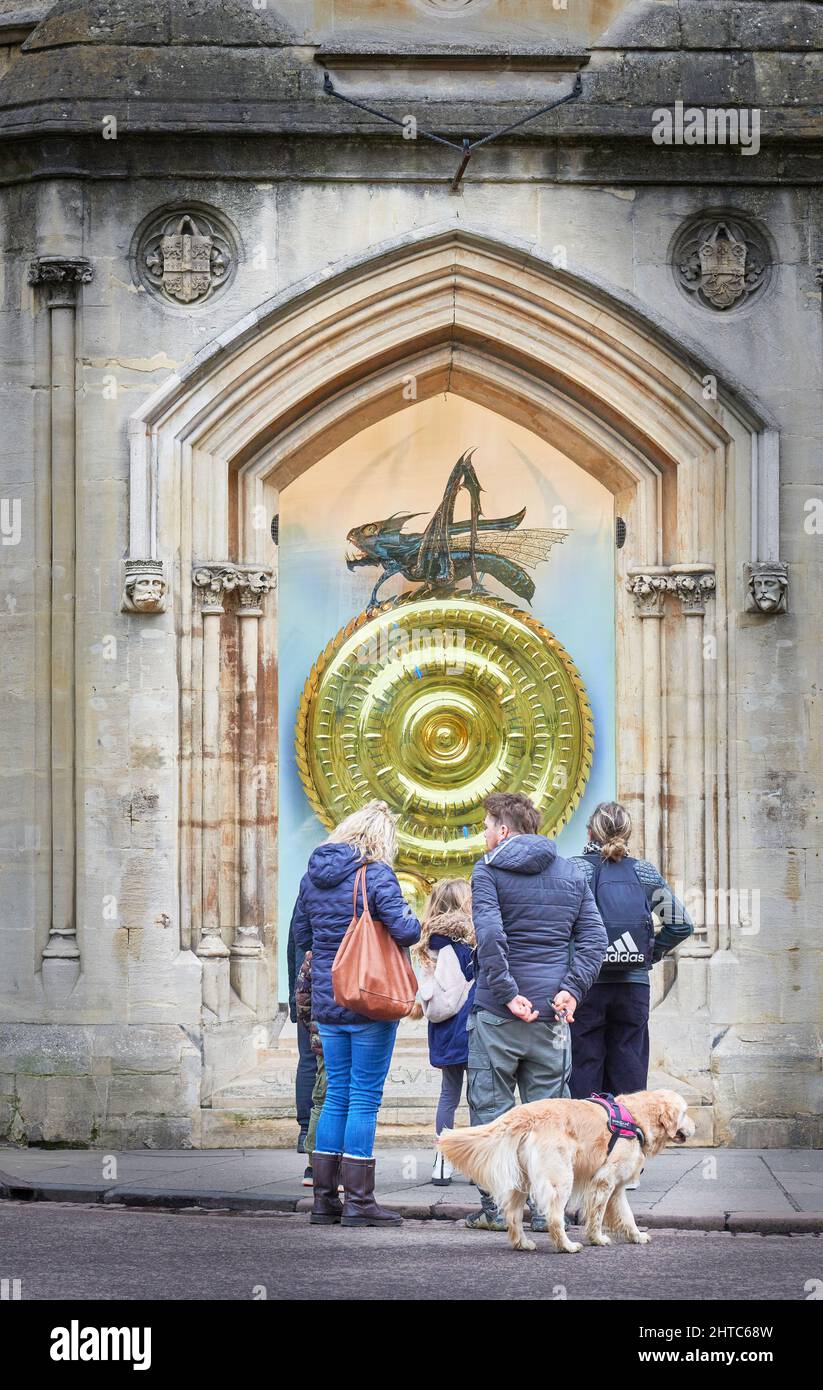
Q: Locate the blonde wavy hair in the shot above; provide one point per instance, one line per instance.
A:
(372, 830)
(611, 826)
(450, 903)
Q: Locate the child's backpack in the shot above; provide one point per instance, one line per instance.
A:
(443, 988)
(621, 902)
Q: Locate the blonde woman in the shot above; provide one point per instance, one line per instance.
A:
(610, 1038)
(447, 922)
(357, 1051)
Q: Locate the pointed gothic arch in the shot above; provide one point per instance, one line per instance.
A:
(691, 463)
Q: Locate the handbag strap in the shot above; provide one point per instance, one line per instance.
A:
(359, 879)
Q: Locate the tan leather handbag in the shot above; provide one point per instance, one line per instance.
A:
(371, 974)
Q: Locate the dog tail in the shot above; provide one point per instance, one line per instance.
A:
(486, 1154)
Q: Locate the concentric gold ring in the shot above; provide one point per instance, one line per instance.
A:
(432, 704)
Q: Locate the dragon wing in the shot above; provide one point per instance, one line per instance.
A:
(528, 547)
(434, 560)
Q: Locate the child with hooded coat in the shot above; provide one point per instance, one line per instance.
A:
(447, 923)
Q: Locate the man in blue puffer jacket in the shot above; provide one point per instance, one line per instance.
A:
(540, 945)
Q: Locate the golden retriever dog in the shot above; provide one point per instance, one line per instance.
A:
(556, 1150)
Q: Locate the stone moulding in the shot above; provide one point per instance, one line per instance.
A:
(548, 350)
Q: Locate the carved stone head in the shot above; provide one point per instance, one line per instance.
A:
(768, 587)
(144, 587)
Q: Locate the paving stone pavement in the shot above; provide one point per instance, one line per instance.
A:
(708, 1189)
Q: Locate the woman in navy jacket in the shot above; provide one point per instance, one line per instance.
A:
(357, 1050)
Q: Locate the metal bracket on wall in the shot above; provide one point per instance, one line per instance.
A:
(467, 147)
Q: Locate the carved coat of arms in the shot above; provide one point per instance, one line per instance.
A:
(185, 259)
(723, 261)
(722, 267)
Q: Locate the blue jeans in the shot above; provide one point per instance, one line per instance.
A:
(357, 1058)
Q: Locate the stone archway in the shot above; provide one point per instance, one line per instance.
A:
(692, 467)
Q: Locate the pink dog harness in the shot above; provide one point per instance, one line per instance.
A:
(618, 1119)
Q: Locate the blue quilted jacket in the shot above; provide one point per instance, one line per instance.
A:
(323, 911)
(537, 926)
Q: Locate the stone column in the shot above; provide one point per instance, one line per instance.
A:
(648, 588)
(693, 584)
(57, 277)
(211, 583)
(247, 948)
(238, 967)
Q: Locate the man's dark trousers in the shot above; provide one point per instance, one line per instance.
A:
(610, 1040)
(305, 1078)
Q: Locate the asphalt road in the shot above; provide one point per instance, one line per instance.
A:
(87, 1252)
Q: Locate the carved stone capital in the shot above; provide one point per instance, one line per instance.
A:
(767, 587)
(61, 275)
(693, 587)
(250, 584)
(211, 583)
(648, 591)
(144, 587)
(252, 588)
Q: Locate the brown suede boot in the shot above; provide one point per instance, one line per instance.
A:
(359, 1206)
(328, 1208)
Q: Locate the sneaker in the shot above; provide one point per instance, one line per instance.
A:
(301, 1141)
(538, 1223)
(486, 1221)
(442, 1171)
(308, 1179)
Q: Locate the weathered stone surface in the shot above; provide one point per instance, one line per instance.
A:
(96, 1085)
(582, 201)
(796, 1132)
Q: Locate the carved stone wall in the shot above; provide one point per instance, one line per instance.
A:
(152, 418)
(674, 466)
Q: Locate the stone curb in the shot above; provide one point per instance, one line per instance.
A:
(760, 1223)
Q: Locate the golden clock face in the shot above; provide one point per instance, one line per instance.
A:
(433, 703)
